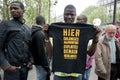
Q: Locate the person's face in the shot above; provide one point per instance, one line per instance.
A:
(69, 15)
(111, 33)
(16, 11)
(81, 20)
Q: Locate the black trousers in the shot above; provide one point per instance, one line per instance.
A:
(114, 73)
(99, 78)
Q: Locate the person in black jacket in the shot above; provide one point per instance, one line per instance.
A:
(15, 38)
(39, 49)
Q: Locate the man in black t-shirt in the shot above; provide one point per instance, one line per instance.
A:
(70, 46)
(65, 66)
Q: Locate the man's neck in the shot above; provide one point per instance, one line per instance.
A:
(20, 20)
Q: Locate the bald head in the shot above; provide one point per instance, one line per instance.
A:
(82, 19)
(110, 31)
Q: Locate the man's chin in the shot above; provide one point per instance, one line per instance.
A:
(69, 22)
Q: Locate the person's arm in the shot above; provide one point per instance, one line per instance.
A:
(4, 64)
(39, 48)
(93, 46)
(49, 47)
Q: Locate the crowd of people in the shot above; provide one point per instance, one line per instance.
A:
(71, 56)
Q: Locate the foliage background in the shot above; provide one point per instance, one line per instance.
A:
(32, 7)
(44, 7)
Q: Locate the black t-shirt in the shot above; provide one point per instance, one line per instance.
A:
(70, 46)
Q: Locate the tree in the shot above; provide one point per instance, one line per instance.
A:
(99, 12)
(118, 14)
(5, 10)
(88, 10)
(96, 12)
(33, 8)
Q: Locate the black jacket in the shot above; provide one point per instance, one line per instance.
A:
(38, 47)
(15, 37)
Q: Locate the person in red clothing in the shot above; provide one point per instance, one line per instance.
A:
(117, 24)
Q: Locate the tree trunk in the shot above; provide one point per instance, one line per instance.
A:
(39, 7)
(5, 10)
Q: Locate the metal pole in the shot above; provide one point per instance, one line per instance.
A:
(114, 13)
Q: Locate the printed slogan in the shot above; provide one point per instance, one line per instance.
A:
(71, 41)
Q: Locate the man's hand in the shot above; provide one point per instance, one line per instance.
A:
(45, 27)
(98, 32)
(13, 68)
(29, 64)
